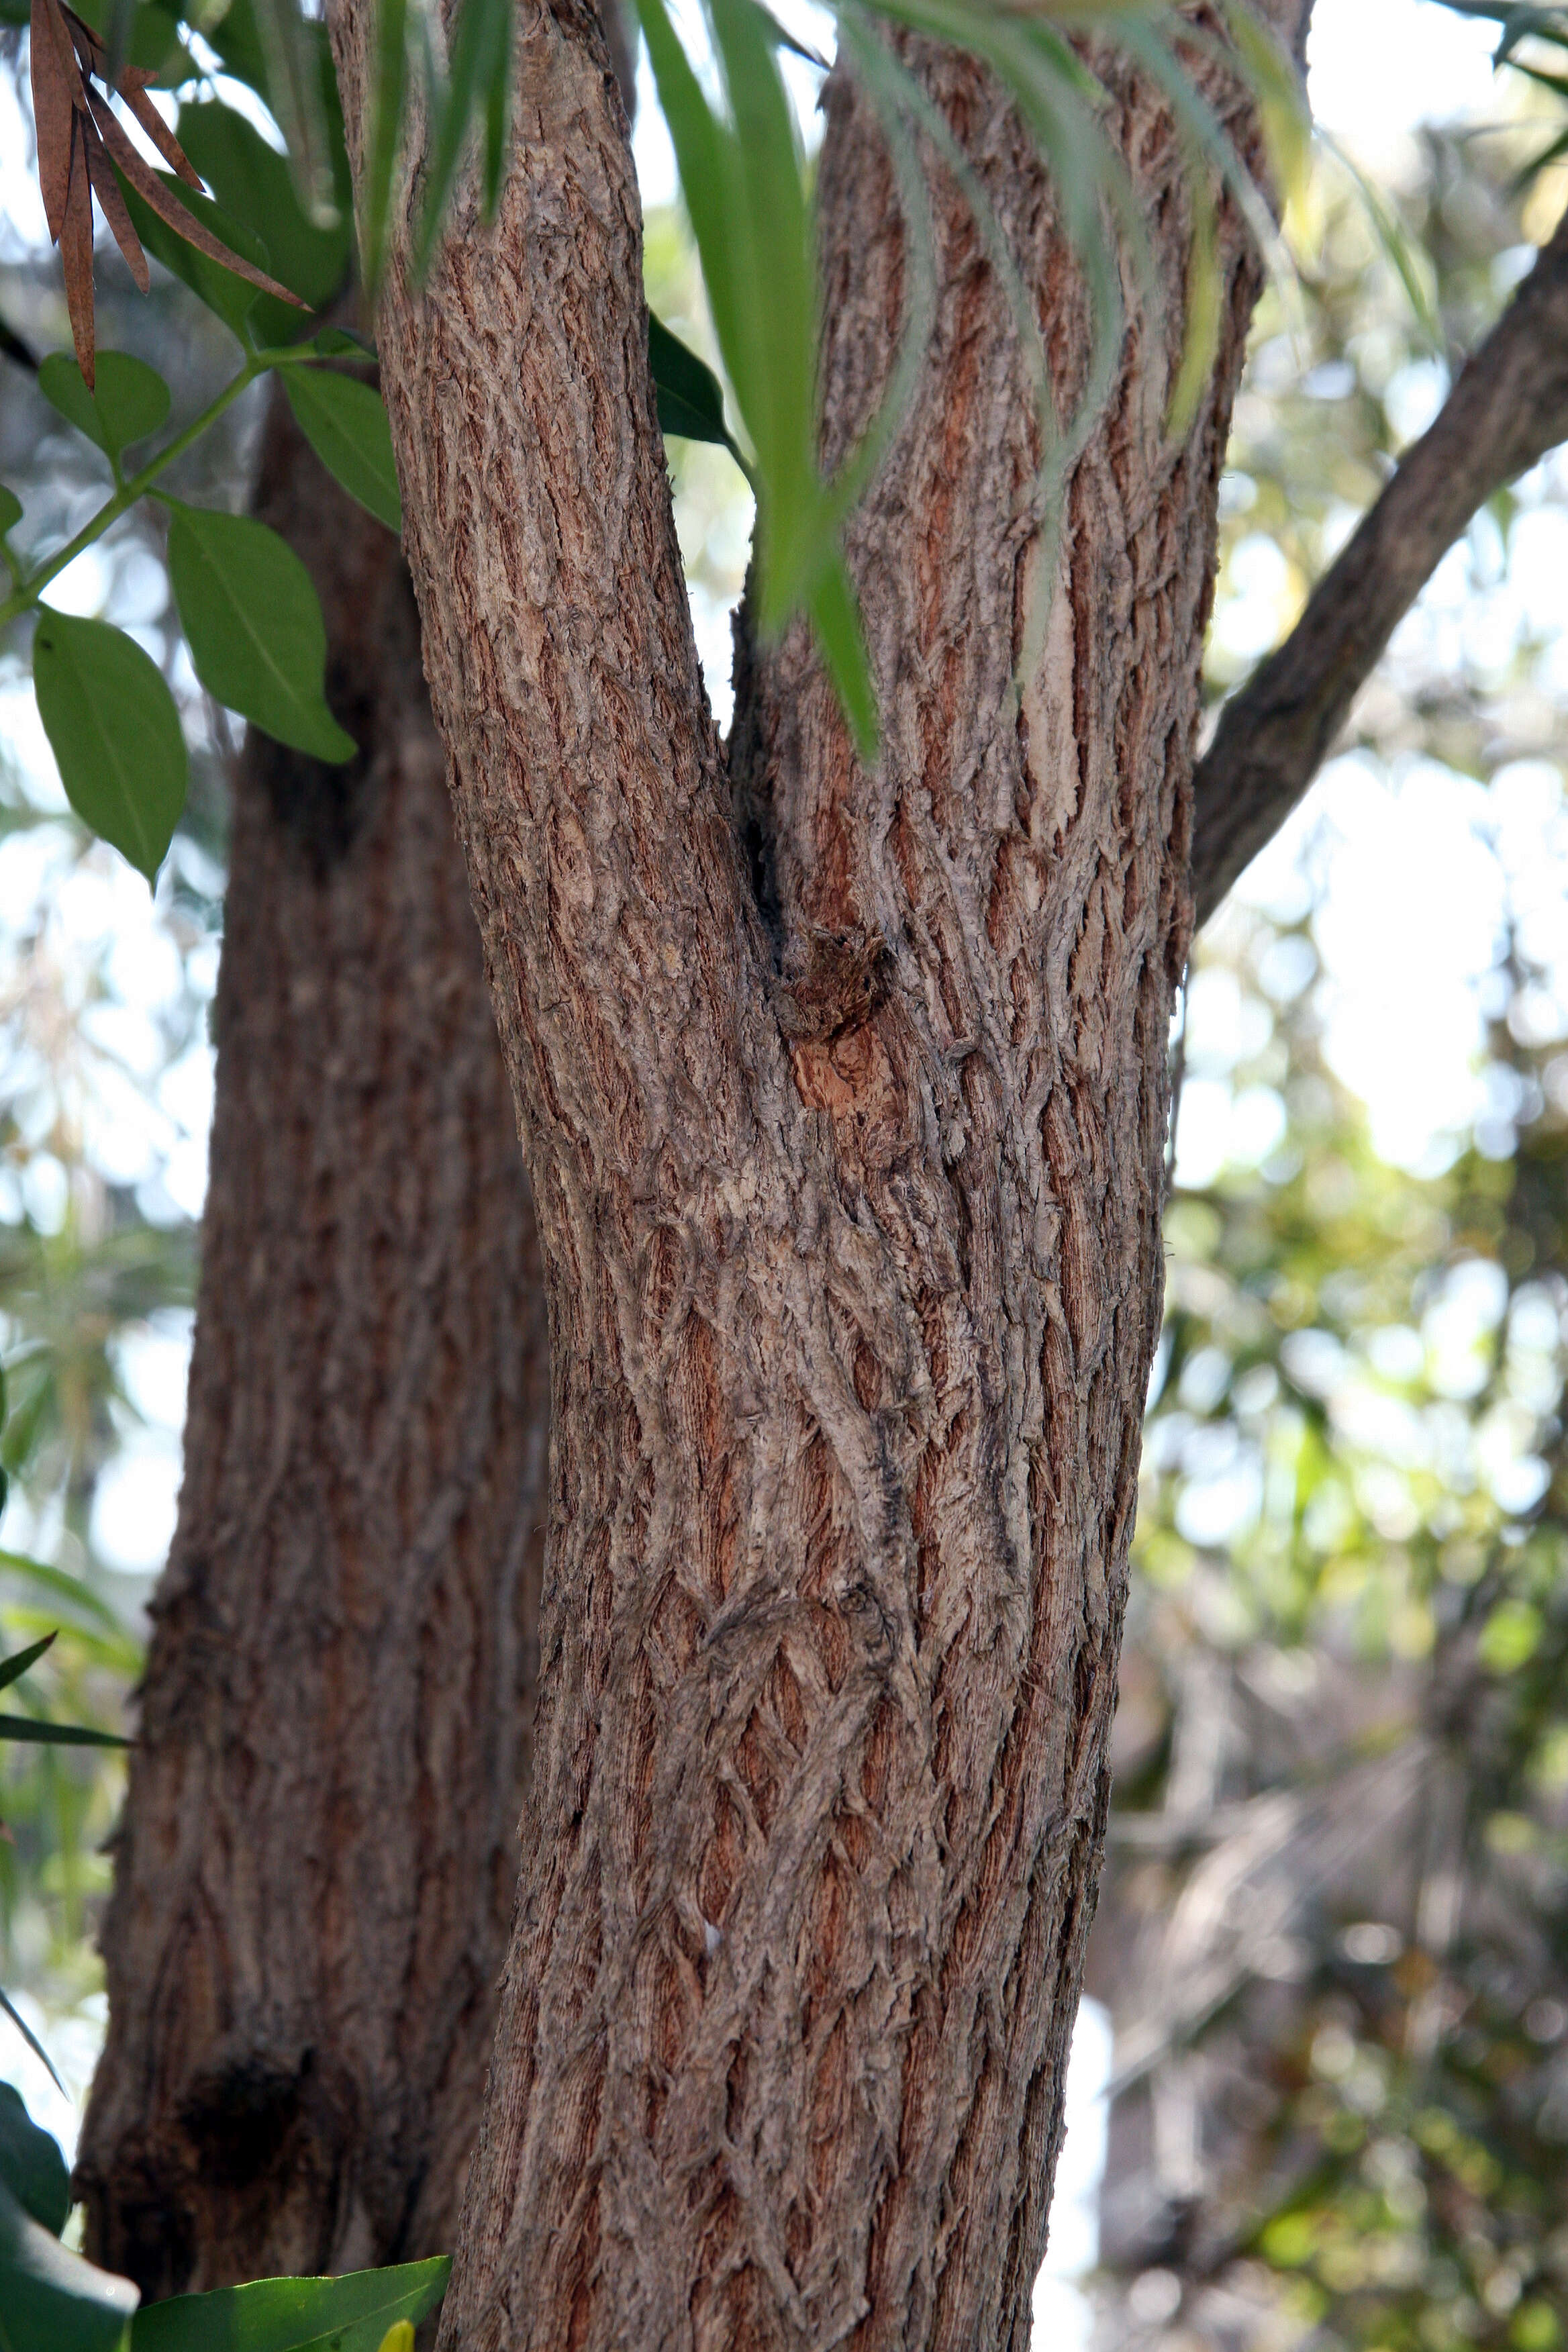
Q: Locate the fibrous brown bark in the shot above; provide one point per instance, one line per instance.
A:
(316, 1866)
(850, 1231)
(1508, 407)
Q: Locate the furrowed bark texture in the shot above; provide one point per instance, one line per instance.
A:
(315, 1872)
(851, 1236)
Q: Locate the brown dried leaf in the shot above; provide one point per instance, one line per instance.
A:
(76, 253)
(57, 94)
(169, 208)
(91, 51)
(133, 88)
(106, 188)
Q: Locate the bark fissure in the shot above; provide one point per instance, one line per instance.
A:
(853, 1271)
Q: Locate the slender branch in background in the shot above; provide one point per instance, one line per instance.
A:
(27, 593)
(1508, 407)
(12, 347)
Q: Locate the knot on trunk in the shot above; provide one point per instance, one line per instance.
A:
(833, 981)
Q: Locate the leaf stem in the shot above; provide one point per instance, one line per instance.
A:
(28, 591)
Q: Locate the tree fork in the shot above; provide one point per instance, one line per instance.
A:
(851, 1233)
(314, 1875)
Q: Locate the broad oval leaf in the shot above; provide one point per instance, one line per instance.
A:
(31, 2165)
(10, 509)
(221, 290)
(343, 343)
(115, 731)
(152, 35)
(128, 400)
(253, 621)
(345, 424)
(350, 2313)
(254, 184)
(51, 2301)
(689, 400)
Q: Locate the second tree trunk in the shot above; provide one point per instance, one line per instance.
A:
(315, 1874)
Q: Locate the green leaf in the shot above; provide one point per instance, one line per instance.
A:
(154, 33)
(235, 38)
(253, 621)
(129, 401)
(835, 618)
(345, 424)
(113, 728)
(253, 183)
(389, 89)
(51, 2301)
(31, 1733)
(342, 343)
(350, 2313)
(31, 2165)
(690, 402)
(8, 2007)
(480, 86)
(221, 290)
(1511, 1637)
(10, 509)
(292, 46)
(13, 1669)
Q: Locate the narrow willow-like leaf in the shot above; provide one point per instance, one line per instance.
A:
(112, 204)
(345, 424)
(13, 1669)
(770, 233)
(1408, 266)
(295, 2315)
(883, 81)
(56, 78)
(62, 1588)
(389, 89)
(127, 400)
(8, 2008)
(835, 619)
(253, 623)
(290, 46)
(76, 248)
(114, 731)
(496, 88)
(480, 56)
(1200, 341)
(32, 1733)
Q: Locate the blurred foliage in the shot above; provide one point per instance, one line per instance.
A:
(103, 1081)
(1333, 1935)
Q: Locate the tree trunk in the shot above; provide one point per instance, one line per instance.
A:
(315, 1872)
(845, 1117)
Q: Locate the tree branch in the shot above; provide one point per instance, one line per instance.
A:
(1508, 407)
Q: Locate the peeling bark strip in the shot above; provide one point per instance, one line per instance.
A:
(315, 1873)
(852, 1248)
